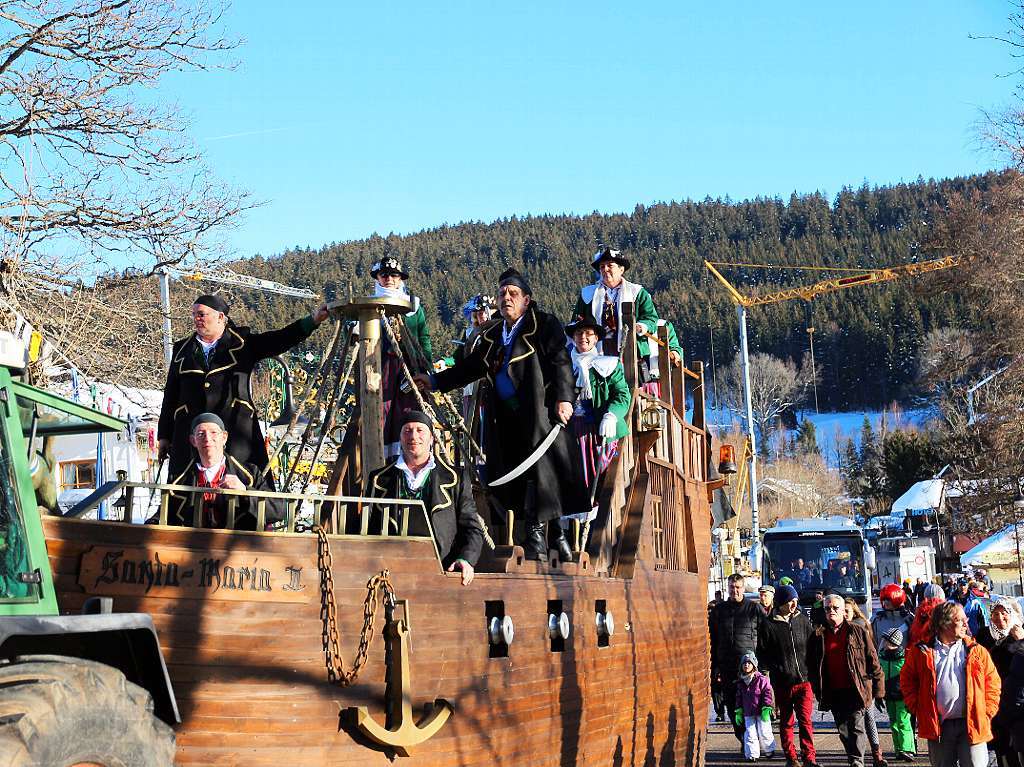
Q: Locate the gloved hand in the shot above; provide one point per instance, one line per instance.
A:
(642, 329)
(737, 716)
(766, 713)
(607, 427)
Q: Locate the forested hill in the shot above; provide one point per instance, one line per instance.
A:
(866, 339)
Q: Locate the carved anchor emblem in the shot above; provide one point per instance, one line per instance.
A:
(401, 733)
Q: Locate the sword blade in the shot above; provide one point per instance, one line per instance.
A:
(531, 459)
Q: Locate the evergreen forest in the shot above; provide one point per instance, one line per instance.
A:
(866, 339)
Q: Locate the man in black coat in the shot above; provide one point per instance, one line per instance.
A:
(417, 473)
(733, 627)
(532, 387)
(782, 648)
(210, 373)
(212, 467)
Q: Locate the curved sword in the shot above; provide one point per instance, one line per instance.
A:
(530, 460)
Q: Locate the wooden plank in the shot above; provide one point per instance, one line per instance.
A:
(250, 677)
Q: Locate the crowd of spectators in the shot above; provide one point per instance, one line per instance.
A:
(947, 671)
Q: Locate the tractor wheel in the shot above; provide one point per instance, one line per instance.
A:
(66, 712)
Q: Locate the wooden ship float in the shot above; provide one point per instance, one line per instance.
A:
(600, 661)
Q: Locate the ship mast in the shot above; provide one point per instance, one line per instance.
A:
(368, 311)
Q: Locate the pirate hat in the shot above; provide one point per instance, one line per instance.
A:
(389, 264)
(479, 303)
(584, 322)
(607, 254)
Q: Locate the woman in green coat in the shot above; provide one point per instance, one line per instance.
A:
(414, 339)
(602, 401)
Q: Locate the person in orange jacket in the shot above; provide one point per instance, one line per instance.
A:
(952, 687)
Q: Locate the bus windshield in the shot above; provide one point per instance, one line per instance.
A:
(814, 563)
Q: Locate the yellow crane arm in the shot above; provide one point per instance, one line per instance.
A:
(808, 292)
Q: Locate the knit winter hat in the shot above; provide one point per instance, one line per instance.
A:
(934, 591)
(894, 636)
(748, 656)
(785, 594)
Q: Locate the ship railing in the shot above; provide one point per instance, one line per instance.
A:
(285, 512)
(665, 440)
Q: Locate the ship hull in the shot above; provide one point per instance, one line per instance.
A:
(242, 638)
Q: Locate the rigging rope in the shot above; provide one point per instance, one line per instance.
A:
(328, 423)
(434, 413)
(316, 385)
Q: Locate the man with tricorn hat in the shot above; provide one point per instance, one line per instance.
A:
(210, 372)
(420, 473)
(529, 402)
(602, 302)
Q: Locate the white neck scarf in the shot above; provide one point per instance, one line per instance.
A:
(507, 333)
(209, 472)
(581, 362)
(379, 291)
(415, 479)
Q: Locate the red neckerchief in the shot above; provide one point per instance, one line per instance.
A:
(210, 512)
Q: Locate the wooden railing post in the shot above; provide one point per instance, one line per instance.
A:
(629, 361)
(699, 412)
(664, 364)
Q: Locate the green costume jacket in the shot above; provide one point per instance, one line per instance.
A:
(611, 393)
(673, 339)
(590, 304)
(416, 324)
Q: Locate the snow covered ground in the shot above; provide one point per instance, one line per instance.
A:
(833, 429)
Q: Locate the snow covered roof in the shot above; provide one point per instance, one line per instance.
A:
(921, 497)
(997, 549)
(885, 522)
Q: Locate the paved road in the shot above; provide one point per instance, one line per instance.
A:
(723, 750)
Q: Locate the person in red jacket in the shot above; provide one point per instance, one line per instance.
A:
(952, 687)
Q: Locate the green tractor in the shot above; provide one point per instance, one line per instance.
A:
(83, 689)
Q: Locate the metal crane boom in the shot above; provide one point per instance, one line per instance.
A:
(226, 276)
(808, 292)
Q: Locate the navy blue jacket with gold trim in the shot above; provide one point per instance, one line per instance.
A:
(540, 372)
(448, 498)
(223, 387)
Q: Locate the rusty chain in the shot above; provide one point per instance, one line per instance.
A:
(380, 583)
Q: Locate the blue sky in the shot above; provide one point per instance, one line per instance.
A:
(349, 119)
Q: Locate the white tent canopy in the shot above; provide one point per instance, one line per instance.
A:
(998, 549)
(922, 497)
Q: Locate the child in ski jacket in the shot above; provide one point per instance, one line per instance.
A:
(755, 701)
(891, 659)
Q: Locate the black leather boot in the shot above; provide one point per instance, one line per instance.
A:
(560, 543)
(536, 544)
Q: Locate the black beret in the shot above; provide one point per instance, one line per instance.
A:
(207, 418)
(417, 416)
(513, 277)
(216, 303)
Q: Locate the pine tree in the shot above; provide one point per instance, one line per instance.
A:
(807, 439)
